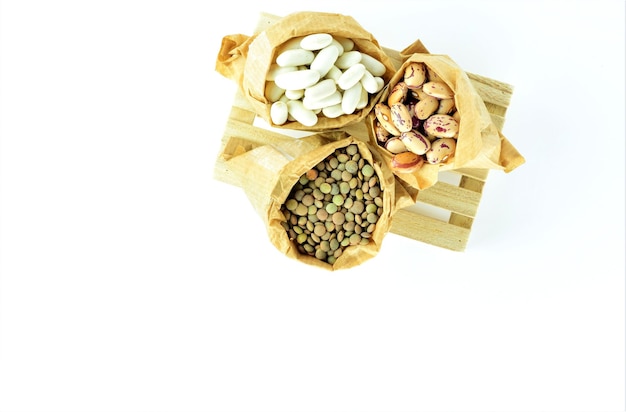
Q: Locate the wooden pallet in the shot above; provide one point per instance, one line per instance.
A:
(443, 214)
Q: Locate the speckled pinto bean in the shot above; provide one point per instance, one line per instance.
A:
(426, 107)
(401, 117)
(382, 135)
(418, 119)
(395, 145)
(415, 142)
(398, 93)
(415, 75)
(441, 125)
(440, 150)
(440, 90)
(406, 162)
(384, 116)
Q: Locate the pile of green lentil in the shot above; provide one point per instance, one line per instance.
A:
(334, 205)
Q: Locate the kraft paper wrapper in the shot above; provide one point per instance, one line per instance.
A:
(246, 60)
(479, 144)
(268, 173)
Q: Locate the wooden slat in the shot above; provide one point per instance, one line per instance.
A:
(475, 185)
(428, 230)
(469, 183)
(453, 198)
(242, 115)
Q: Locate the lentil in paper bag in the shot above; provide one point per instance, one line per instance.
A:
(309, 86)
(430, 118)
(326, 200)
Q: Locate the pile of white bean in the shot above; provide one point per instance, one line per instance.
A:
(320, 75)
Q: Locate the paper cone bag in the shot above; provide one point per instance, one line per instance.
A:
(268, 175)
(479, 144)
(248, 60)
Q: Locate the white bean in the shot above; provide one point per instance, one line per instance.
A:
(369, 83)
(333, 111)
(295, 57)
(351, 98)
(348, 44)
(338, 45)
(348, 59)
(273, 92)
(316, 41)
(322, 89)
(351, 76)
(364, 100)
(380, 81)
(279, 112)
(301, 114)
(334, 73)
(325, 60)
(374, 66)
(313, 104)
(296, 80)
(294, 94)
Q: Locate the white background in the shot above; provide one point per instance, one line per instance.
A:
(131, 280)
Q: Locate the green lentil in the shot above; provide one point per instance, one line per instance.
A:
(371, 208)
(367, 170)
(336, 175)
(307, 200)
(342, 157)
(352, 167)
(338, 200)
(355, 239)
(334, 205)
(301, 210)
(372, 218)
(291, 204)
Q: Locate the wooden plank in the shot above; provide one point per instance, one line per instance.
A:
(242, 115)
(469, 183)
(475, 185)
(453, 198)
(428, 230)
(462, 221)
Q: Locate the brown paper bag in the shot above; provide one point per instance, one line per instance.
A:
(247, 60)
(479, 144)
(268, 173)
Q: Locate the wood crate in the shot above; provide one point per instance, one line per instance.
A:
(443, 214)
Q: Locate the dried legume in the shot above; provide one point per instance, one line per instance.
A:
(336, 207)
